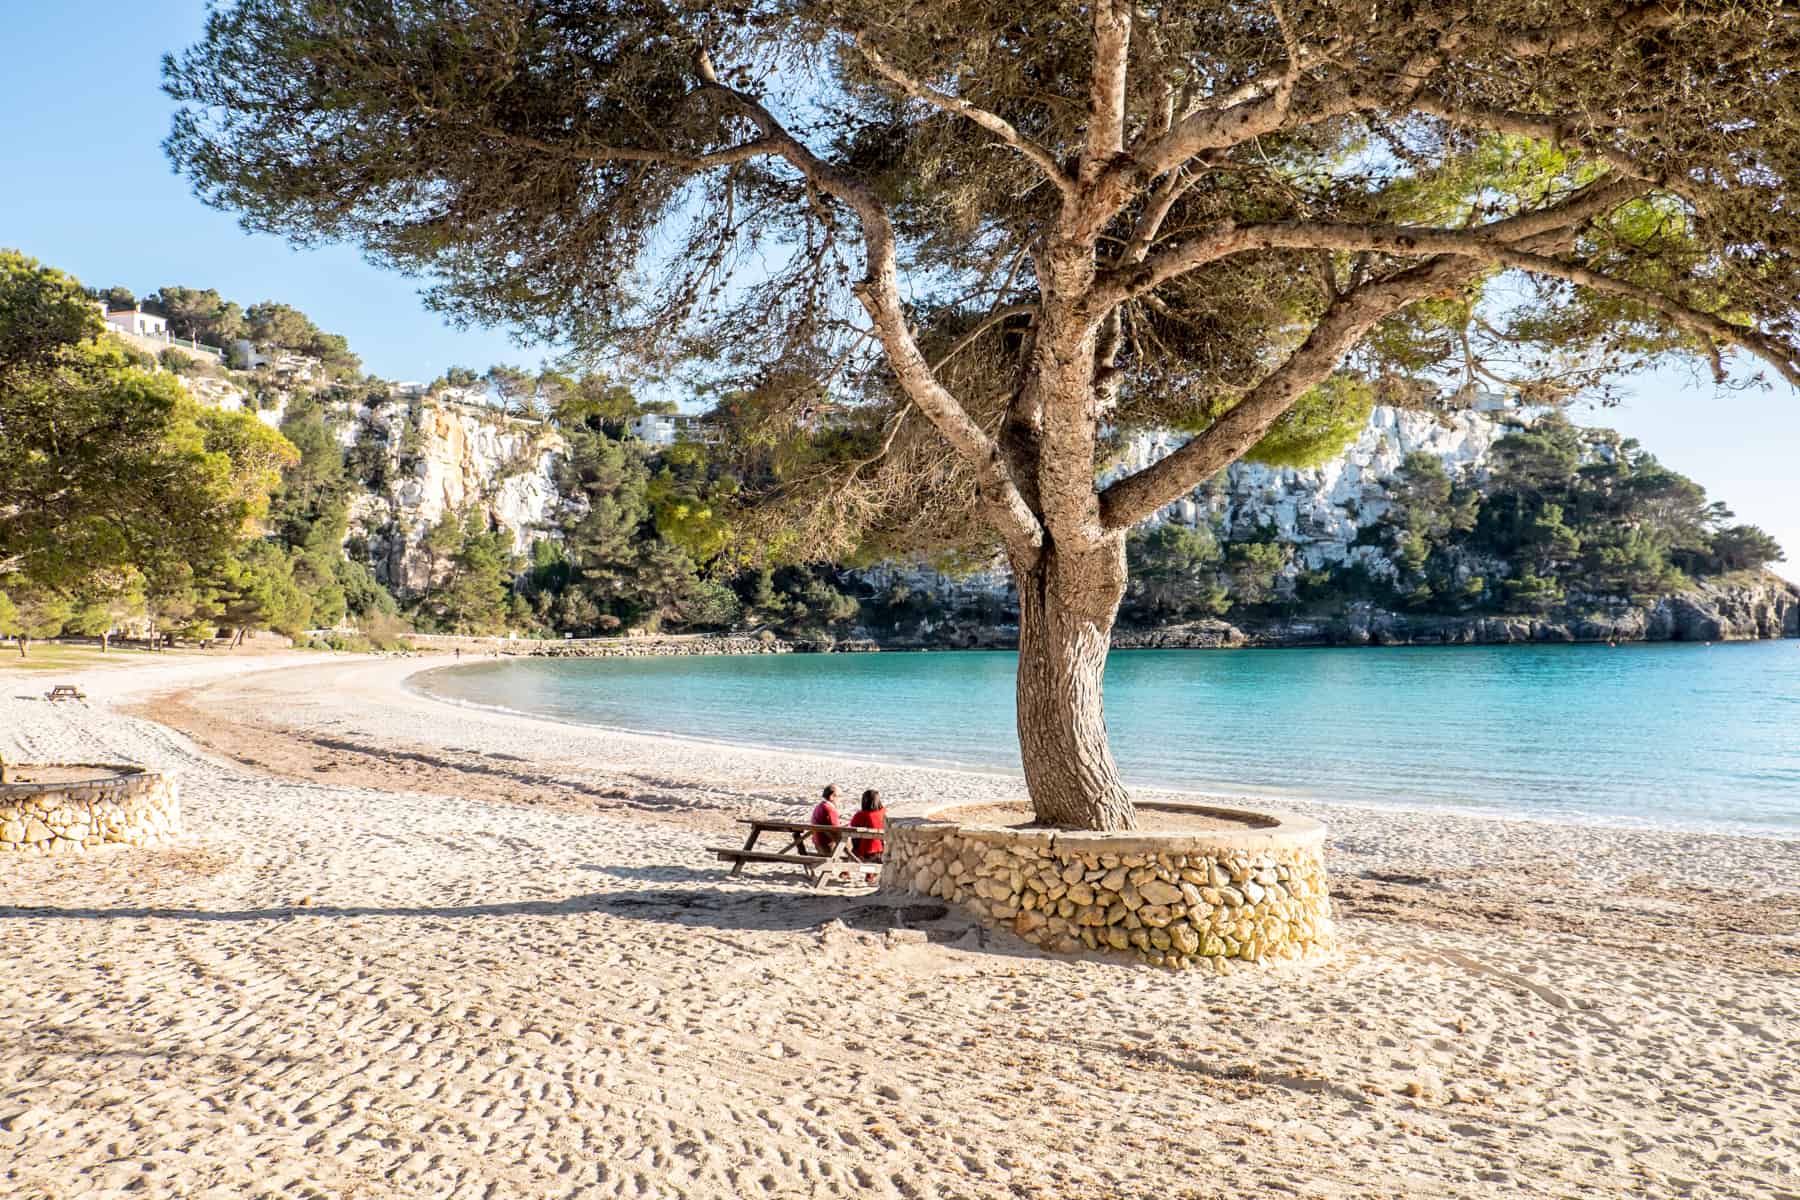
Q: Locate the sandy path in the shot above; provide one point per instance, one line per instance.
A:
(535, 982)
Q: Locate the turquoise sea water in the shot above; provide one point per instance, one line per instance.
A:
(1671, 735)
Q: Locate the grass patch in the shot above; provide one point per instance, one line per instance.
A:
(50, 656)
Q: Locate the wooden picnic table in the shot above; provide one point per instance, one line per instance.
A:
(818, 868)
(65, 691)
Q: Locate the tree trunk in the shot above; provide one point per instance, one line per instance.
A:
(105, 638)
(22, 641)
(1067, 604)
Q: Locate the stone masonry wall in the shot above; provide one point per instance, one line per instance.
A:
(1172, 900)
(128, 805)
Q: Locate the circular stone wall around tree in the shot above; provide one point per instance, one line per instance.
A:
(1196, 886)
(67, 808)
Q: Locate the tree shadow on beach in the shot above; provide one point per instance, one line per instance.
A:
(795, 911)
(788, 911)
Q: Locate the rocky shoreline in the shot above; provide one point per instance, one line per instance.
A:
(642, 647)
(1711, 612)
(1766, 608)
(1729, 611)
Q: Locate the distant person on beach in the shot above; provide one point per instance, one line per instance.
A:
(825, 813)
(872, 815)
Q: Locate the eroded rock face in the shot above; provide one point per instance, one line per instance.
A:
(1320, 510)
(1741, 608)
(436, 458)
(1728, 610)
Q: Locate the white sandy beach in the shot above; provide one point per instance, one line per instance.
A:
(410, 949)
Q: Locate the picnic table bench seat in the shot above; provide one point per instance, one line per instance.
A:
(774, 856)
(818, 868)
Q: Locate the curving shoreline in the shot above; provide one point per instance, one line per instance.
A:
(309, 702)
(406, 948)
(954, 712)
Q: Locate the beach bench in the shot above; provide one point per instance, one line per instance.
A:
(819, 869)
(65, 691)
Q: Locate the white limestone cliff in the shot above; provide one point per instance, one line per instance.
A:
(432, 457)
(1318, 510)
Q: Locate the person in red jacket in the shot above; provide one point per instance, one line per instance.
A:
(871, 816)
(825, 813)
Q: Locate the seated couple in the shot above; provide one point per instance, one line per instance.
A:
(870, 816)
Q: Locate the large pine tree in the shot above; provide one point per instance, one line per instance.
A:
(1009, 228)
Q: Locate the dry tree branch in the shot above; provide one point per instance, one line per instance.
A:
(995, 124)
(992, 319)
(879, 294)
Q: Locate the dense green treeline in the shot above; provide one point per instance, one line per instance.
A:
(120, 497)
(1564, 515)
(124, 503)
(202, 315)
(642, 539)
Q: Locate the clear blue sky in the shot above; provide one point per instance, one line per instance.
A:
(87, 189)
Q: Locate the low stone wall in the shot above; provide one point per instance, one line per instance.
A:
(118, 804)
(1171, 899)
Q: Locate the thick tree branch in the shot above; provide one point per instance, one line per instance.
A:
(1107, 87)
(995, 124)
(1623, 21)
(1217, 241)
(1480, 244)
(1594, 199)
(1130, 500)
(1266, 104)
(1213, 129)
(1226, 238)
(1149, 224)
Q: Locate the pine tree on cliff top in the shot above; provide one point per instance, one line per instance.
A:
(1002, 230)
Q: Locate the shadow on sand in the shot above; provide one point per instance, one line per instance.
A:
(696, 907)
